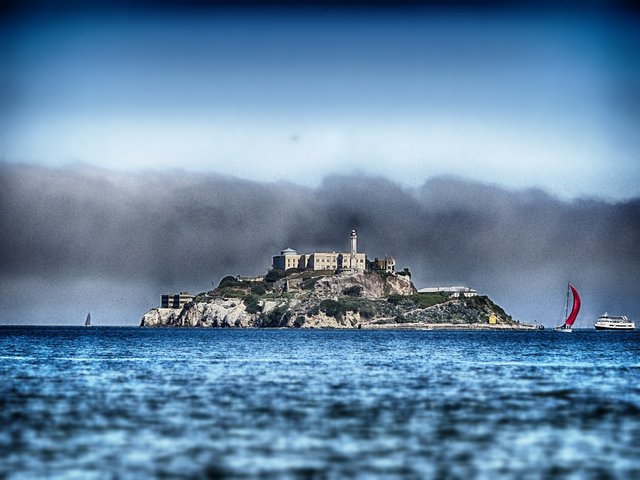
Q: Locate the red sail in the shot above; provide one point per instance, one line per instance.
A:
(576, 307)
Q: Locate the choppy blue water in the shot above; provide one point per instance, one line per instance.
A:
(133, 403)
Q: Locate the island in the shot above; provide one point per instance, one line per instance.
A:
(330, 290)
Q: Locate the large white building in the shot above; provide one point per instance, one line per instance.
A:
(352, 260)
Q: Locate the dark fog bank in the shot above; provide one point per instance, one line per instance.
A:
(80, 239)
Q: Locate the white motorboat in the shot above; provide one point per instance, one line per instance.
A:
(609, 322)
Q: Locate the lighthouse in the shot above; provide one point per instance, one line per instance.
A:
(354, 250)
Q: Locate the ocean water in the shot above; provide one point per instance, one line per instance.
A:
(192, 403)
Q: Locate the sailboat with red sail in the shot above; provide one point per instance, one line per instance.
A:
(571, 317)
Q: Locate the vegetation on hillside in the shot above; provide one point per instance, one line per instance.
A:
(392, 308)
(338, 308)
(418, 300)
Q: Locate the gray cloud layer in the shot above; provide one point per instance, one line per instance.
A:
(78, 238)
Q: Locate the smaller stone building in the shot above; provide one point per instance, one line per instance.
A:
(386, 264)
(289, 258)
(176, 300)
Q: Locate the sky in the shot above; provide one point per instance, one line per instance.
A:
(408, 117)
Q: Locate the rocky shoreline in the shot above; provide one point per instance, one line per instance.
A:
(363, 300)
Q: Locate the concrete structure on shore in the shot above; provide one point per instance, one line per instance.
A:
(176, 300)
(453, 291)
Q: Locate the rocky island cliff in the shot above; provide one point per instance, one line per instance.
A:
(311, 299)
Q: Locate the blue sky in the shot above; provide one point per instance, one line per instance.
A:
(518, 98)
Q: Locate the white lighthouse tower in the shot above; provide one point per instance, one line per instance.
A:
(353, 259)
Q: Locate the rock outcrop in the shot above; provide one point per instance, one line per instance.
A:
(160, 317)
(373, 285)
(313, 300)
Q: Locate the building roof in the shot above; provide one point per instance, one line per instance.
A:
(288, 251)
(453, 288)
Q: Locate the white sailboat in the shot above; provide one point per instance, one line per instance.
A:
(571, 317)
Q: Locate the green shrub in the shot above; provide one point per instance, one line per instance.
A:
(339, 308)
(484, 301)
(367, 311)
(330, 307)
(252, 304)
(274, 275)
(278, 317)
(231, 292)
(309, 283)
(354, 291)
(420, 300)
(258, 288)
(229, 281)
(424, 300)
(396, 298)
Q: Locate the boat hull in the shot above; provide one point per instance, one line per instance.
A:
(563, 329)
(615, 328)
